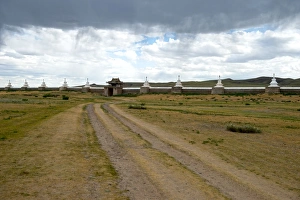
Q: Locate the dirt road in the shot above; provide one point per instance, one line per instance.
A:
(154, 164)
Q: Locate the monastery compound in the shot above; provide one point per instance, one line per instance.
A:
(115, 87)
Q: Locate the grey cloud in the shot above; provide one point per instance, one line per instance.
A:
(248, 57)
(13, 70)
(176, 15)
(65, 13)
(13, 55)
(29, 53)
(266, 49)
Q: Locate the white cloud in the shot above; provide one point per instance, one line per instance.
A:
(36, 53)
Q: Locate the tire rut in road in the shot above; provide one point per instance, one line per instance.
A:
(170, 177)
(126, 168)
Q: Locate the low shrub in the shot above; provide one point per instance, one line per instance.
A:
(50, 95)
(127, 95)
(213, 141)
(64, 97)
(3, 138)
(47, 95)
(142, 107)
(243, 128)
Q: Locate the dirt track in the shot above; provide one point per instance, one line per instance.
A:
(154, 164)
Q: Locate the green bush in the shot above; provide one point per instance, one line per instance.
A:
(64, 97)
(142, 107)
(3, 138)
(47, 95)
(50, 95)
(243, 128)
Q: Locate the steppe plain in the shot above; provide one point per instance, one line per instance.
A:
(154, 146)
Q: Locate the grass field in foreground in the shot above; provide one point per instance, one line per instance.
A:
(32, 125)
(201, 120)
(48, 149)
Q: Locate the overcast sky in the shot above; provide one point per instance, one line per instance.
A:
(161, 39)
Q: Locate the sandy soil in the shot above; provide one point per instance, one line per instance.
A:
(155, 164)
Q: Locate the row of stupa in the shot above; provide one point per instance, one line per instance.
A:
(43, 85)
(116, 87)
(217, 89)
(26, 85)
(178, 83)
(146, 83)
(219, 83)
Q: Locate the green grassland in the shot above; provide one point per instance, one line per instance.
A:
(273, 152)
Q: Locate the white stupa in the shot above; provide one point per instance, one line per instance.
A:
(146, 83)
(273, 82)
(25, 84)
(219, 84)
(65, 85)
(9, 84)
(43, 84)
(178, 83)
(87, 84)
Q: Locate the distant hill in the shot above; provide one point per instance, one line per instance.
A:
(254, 82)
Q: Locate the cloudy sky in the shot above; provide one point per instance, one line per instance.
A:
(161, 39)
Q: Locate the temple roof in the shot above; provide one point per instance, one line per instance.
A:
(115, 81)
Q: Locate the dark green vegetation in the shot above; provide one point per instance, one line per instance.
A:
(65, 97)
(242, 128)
(141, 106)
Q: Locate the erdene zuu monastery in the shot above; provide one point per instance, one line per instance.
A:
(115, 87)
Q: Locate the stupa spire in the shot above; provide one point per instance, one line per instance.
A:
(65, 83)
(219, 83)
(146, 83)
(273, 82)
(9, 84)
(178, 83)
(87, 84)
(43, 84)
(25, 84)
